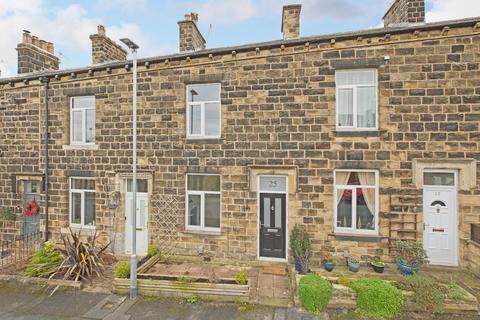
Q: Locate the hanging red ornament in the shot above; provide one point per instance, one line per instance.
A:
(32, 208)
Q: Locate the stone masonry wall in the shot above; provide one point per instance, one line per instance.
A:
(31, 59)
(405, 11)
(190, 38)
(278, 109)
(291, 21)
(105, 50)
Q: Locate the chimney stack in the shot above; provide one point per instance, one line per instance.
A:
(405, 13)
(35, 54)
(291, 21)
(105, 49)
(190, 37)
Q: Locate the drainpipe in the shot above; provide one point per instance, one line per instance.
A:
(45, 82)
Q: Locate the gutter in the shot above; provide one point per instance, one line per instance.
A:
(45, 81)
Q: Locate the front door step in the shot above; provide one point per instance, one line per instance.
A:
(275, 270)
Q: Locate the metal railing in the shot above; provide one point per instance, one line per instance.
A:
(19, 249)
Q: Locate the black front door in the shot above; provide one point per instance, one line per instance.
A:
(272, 225)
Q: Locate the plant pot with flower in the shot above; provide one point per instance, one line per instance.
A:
(328, 262)
(301, 249)
(377, 265)
(410, 256)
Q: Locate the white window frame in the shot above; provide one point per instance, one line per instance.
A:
(202, 204)
(84, 121)
(353, 229)
(82, 204)
(354, 88)
(202, 134)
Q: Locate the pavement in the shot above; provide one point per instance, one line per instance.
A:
(25, 303)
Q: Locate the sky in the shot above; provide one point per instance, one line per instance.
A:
(153, 23)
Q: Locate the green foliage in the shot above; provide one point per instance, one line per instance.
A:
(152, 250)
(300, 245)
(241, 277)
(44, 261)
(81, 259)
(185, 278)
(122, 270)
(428, 295)
(193, 299)
(314, 292)
(377, 298)
(411, 252)
(344, 281)
(377, 262)
(454, 292)
(353, 260)
(7, 214)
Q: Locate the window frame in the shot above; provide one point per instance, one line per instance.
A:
(71, 191)
(202, 194)
(84, 121)
(202, 104)
(354, 88)
(353, 229)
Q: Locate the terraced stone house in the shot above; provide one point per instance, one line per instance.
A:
(361, 137)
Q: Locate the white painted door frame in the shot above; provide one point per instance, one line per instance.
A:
(452, 225)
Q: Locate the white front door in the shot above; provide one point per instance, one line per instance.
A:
(142, 220)
(440, 218)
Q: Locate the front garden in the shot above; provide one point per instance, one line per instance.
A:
(375, 289)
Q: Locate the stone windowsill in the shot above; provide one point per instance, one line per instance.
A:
(203, 140)
(358, 133)
(357, 237)
(80, 147)
(84, 231)
(201, 233)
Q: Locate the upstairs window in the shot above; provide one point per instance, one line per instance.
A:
(356, 92)
(203, 202)
(203, 111)
(82, 120)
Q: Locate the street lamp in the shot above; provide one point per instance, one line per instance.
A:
(133, 258)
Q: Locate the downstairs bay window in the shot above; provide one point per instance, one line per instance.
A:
(203, 202)
(356, 201)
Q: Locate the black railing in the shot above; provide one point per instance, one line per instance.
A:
(19, 249)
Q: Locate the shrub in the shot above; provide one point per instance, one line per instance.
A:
(454, 292)
(241, 277)
(411, 252)
(377, 298)
(428, 296)
(152, 251)
(45, 261)
(7, 214)
(81, 259)
(314, 292)
(122, 270)
(300, 245)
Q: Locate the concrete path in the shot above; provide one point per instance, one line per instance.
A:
(25, 303)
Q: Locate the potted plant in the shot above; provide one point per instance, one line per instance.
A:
(410, 256)
(301, 248)
(328, 262)
(377, 265)
(353, 264)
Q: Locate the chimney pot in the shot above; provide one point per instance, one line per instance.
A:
(35, 54)
(291, 21)
(101, 30)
